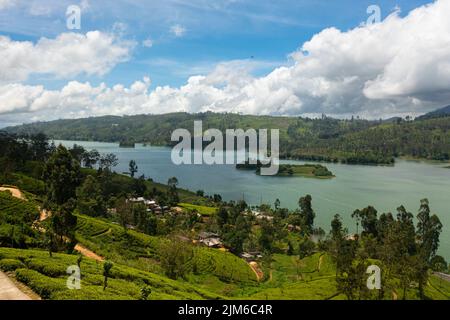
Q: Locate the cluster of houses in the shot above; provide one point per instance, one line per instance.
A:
(152, 205)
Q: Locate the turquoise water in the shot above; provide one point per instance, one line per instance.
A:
(385, 188)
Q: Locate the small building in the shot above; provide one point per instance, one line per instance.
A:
(251, 256)
(210, 239)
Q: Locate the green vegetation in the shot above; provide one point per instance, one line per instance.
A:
(47, 277)
(197, 251)
(306, 170)
(16, 219)
(351, 141)
(203, 210)
(290, 170)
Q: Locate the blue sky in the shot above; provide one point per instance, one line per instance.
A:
(216, 31)
(284, 57)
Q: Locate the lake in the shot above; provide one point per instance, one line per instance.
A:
(383, 187)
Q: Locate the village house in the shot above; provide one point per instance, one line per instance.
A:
(152, 205)
(210, 239)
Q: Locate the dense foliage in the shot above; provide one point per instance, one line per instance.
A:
(353, 141)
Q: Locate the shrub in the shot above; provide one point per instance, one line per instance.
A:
(10, 264)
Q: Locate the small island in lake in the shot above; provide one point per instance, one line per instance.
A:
(127, 144)
(291, 170)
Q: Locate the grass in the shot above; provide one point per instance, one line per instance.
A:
(306, 170)
(143, 251)
(47, 277)
(203, 210)
(16, 219)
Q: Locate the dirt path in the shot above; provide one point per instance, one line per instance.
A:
(9, 290)
(43, 215)
(320, 262)
(258, 272)
(443, 276)
(394, 295)
(88, 253)
(14, 191)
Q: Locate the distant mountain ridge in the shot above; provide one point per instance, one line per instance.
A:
(439, 113)
(353, 141)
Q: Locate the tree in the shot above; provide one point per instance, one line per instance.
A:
(266, 237)
(306, 248)
(133, 168)
(368, 219)
(173, 193)
(79, 260)
(438, 264)
(108, 161)
(290, 250)
(307, 214)
(124, 212)
(62, 176)
(145, 292)
(176, 256)
(90, 199)
(90, 158)
(107, 266)
(429, 229)
(277, 204)
(39, 146)
(77, 152)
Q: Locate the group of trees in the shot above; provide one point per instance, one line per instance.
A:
(353, 141)
(404, 252)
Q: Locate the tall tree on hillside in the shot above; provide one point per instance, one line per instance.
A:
(90, 199)
(368, 219)
(429, 228)
(39, 146)
(173, 192)
(133, 168)
(90, 158)
(108, 161)
(307, 213)
(62, 176)
(107, 266)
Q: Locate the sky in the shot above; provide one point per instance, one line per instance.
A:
(284, 57)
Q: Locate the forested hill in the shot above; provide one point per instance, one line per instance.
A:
(348, 141)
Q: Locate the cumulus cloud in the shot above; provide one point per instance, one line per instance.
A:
(68, 55)
(397, 67)
(178, 30)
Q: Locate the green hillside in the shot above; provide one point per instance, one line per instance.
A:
(350, 141)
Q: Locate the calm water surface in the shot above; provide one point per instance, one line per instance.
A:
(385, 188)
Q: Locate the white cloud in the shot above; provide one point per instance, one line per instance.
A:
(397, 67)
(4, 4)
(178, 30)
(148, 43)
(68, 55)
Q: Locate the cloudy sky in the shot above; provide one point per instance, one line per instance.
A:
(284, 57)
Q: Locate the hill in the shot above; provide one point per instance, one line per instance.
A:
(352, 141)
(439, 113)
